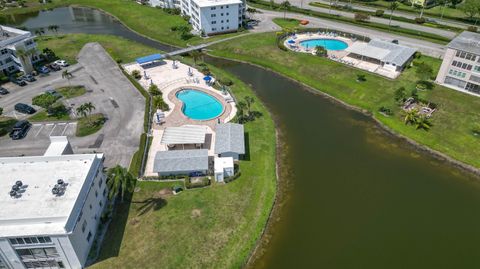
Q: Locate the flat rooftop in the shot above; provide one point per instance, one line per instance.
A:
(466, 41)
(9, 32)
(213, 3)
(37, 211)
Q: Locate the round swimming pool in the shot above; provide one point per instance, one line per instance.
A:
(198, 105)
(328, 44)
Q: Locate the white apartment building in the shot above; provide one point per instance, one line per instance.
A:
(460, 69)
(214, 16)
(11, 41)
(51, 206)
(165, 3)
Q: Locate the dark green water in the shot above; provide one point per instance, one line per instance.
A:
(361, 198)
(352, 195)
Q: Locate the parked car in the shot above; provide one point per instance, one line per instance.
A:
(20, 129)
(61, 63)
(54, 67)
(24, 108)
(53, 92)
(29, 78)
(43, 70)
(3, 91)
(19, 82)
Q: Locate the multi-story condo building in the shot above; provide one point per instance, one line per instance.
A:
(18, 50)
(51, 207)
(214, 16)
(460, 69)
(165, 3)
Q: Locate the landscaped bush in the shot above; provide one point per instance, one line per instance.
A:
(472, 29)
(136, 74)
(379, 12)
(225, 81)
(44, 100)
(159, 103)
(420, 20)
(200, 182)
(386, 111)
(400, 95)
(361, 78)
(320, 51)
(424, 85)
(362, 17)
(205, 70)
(153, 90)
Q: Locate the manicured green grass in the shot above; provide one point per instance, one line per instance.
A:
(287, 23)
(90, 124)
(72, 91)
(453, 122)
(67, 46)
(215, 227)
(43, 116)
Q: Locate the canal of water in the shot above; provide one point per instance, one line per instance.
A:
(353, 196)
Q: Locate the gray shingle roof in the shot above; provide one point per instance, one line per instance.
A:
(229, 137)
(181, 160)
(466, 41)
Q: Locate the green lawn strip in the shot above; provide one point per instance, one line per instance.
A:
(6, 125)
(191, 229)
(386, 15)
(43, 116)
(90, 124)
(453, 122)
(72, 91)
(287, 23)
(377, 26)
(67, 46)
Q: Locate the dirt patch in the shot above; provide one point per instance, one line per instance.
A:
(163, 193)
(196, 213)
(134, 221)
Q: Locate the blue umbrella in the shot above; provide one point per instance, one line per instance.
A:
(207, 78)
(291, 41)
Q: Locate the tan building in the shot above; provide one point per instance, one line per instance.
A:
(460, 69)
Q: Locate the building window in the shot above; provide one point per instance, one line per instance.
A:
(455, 82)
(80, 216)
(213, 8)
(37, 253)
(96, 193)
(221, 14)
(214, 22)
(465, 55)
(89, 236)
(221, 21)
(2, 264)
(228, 20)
(457, 73)
(100, 183)
(4, 51)
(476, 68)
(104, 192)
(100, 203)
(214, 15)
(84, 226)
(228, 13)
(471, 87)
(90, 206)
(30, 240)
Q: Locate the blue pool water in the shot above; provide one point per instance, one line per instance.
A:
(329, 44)
(198, 105)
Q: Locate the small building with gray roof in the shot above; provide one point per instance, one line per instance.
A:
(181, 162)
(460, 69)
(229, 140)
(389, 55)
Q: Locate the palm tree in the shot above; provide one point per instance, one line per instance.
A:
(411, 117)
(241, 106)
(40, 32)
(249, 101)
(67, 75)
(392, 7)
(423, 123)
(82, 111)
(119, 182)
(53, 28)
(195, 54)
(89, 107)
(24, 56)
(285, 5)
(444, 7)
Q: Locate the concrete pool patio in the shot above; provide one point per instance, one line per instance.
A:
(171, 78)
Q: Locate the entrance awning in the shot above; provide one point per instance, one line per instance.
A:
(149, 58)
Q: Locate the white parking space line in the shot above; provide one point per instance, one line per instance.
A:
(41, 128)
(52, 130)
(64, 129)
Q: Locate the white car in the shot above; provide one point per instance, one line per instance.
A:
(61, 63)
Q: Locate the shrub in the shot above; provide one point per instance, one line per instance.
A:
(153, 90)
(361, 78)
(226, 81)
(472, 28)
(185, 35)
(362, 17)
(424, 71)
(159, 103)
(385, 110)
(44, 100)
(379, 12)
(320, 51)
(205, 70)
(400, 94)
(136, 74)
(424, 85)
(420, 20)
(57, 109)
(417, 55)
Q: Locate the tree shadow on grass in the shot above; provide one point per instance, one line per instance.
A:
(150, 204)
(246, 156)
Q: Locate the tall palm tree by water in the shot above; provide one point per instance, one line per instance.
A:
(119, 182)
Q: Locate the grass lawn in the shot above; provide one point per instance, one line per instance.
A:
(43, 116)
(71, 91)
(287, 23)
(67, 46)
(214, 227)
(90, 124)
(453, 123)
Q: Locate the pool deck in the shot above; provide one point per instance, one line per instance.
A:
(170, 79)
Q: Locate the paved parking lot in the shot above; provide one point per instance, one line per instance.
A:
(107, 88)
